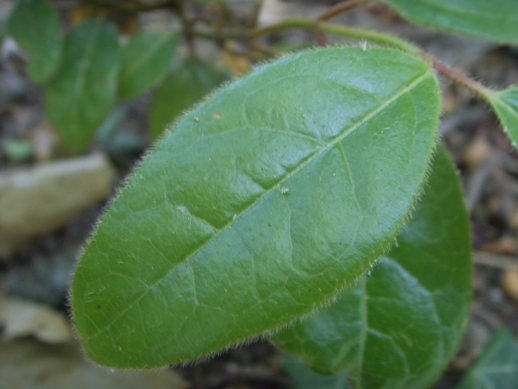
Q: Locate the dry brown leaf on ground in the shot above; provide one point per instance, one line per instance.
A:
(35, 201)
(26, 363)
(20, 317)
(44, 140)
(506, 245)
(509, 283)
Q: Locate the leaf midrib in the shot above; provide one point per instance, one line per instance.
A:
(411, 85)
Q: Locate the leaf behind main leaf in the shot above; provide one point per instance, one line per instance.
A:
(398, 326)
(258, 206)
(183, 87)
(497, 366)
(302, 377)
(495, 20)
(505, 104)
(144, 60)
(80, 96)
(35, 27)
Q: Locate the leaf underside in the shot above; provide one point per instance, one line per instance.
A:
(495, 20)
(258, 206)
(398, 326)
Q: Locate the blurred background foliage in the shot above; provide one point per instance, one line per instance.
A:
(101, 59)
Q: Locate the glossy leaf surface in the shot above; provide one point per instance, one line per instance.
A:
(495, 20)
(183, 87)
(35, 27)
(80, 96)
(399, 326)
(505, 104)
(258, 206)
(497, 366)
(144, 60)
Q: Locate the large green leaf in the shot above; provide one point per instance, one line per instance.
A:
(505, 104)
(400, 325)
(183, 87)
(258, 206)
(35, 27)
(495, 20)
(82, 93)
(145, 59)
(497, 367)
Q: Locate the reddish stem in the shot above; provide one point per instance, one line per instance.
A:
(329, 13)
(460, 78)
(339, 8)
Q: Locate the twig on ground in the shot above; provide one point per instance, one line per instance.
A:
(496, 261)
(476, 183)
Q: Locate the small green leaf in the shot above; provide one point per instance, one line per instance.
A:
(303, 378)
(144, 60)
(495, 20)
(80, 96)
(111, 124)
(258, 206)
(18, 149)
(400, 325)
(180, 90)
(35, 27)
(497, 366)
(505, 104)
